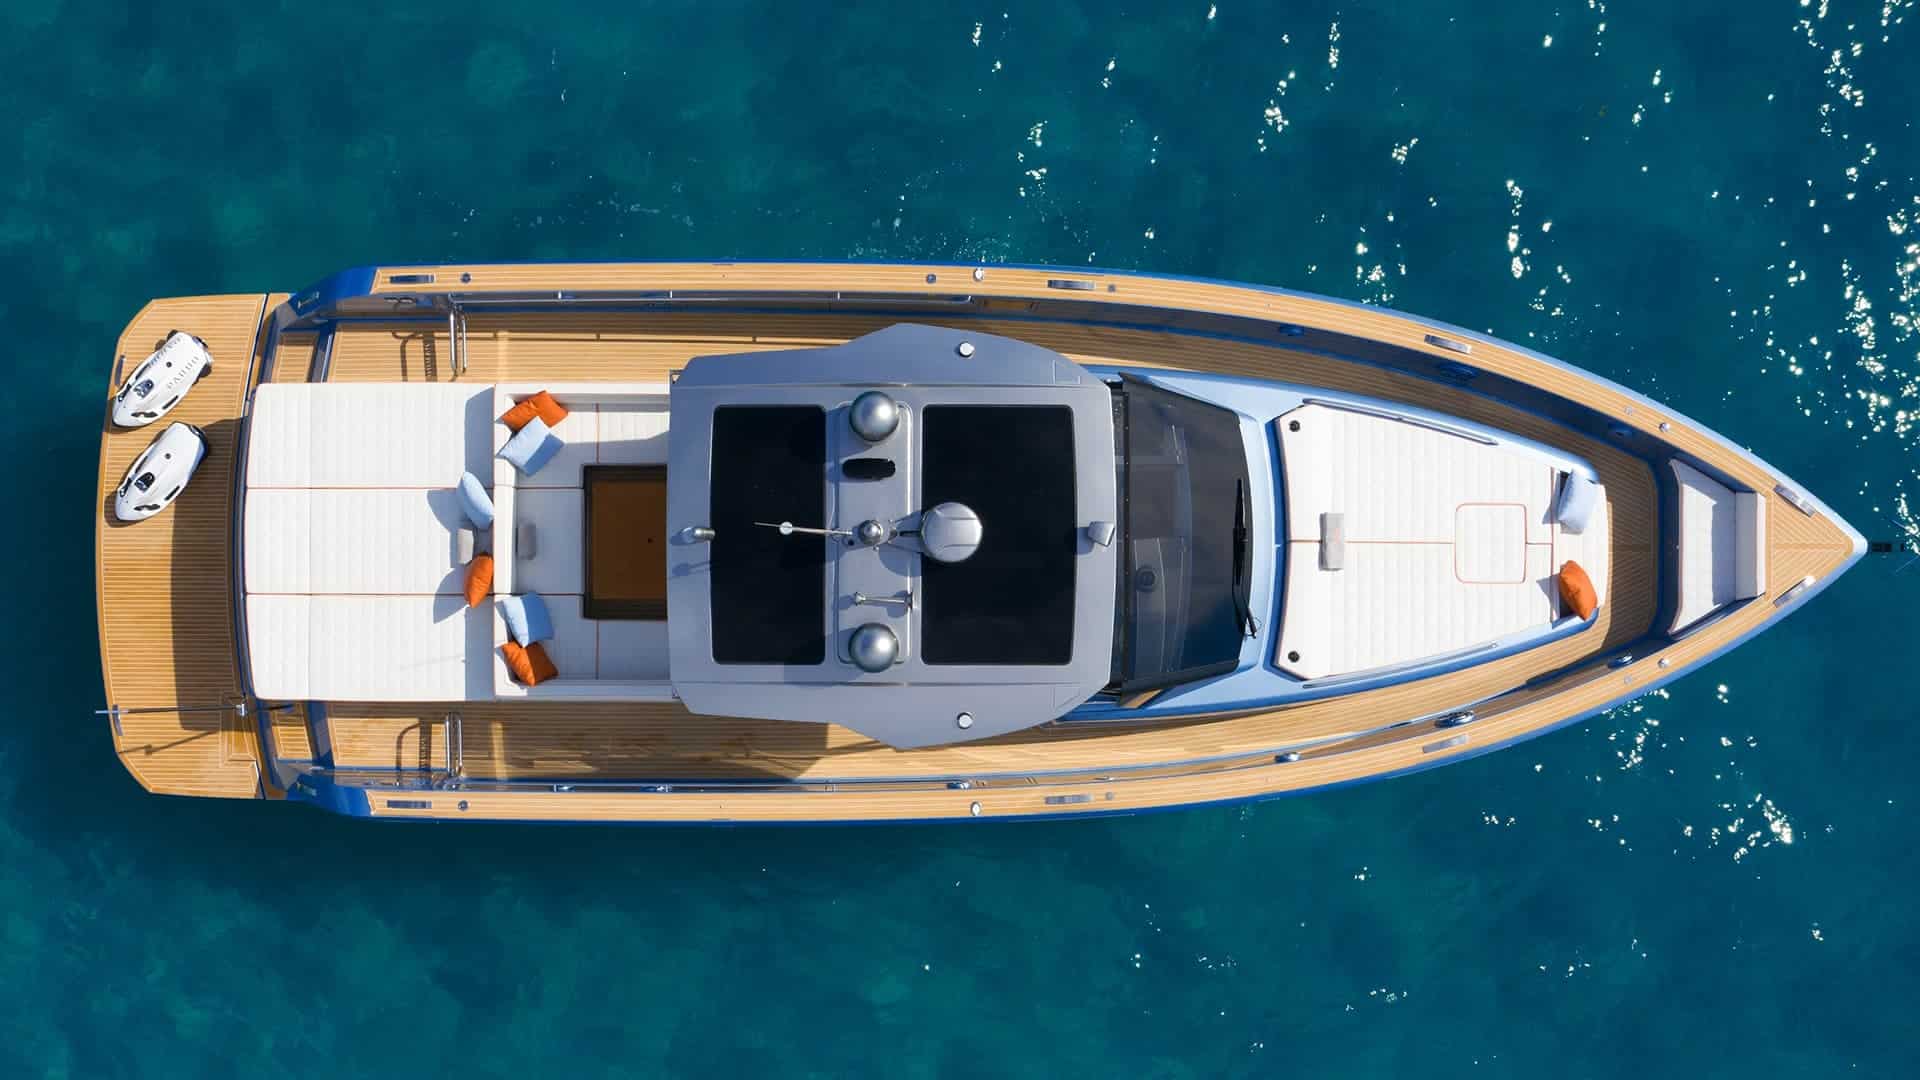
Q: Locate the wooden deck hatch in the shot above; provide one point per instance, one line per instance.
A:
(626, 557)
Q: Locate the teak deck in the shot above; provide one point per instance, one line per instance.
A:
(167, 637)
(164, 590)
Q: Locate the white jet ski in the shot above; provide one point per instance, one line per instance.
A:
(160, 472)
(159, 383)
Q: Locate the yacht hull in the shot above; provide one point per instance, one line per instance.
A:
(175, 642)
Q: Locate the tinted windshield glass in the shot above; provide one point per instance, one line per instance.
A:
(1183, 476)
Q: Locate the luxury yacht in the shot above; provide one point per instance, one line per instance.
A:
(738, 542)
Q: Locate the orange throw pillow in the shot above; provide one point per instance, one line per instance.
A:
(529, 665)
(1577, 591)
(479, 579)
(541, 405)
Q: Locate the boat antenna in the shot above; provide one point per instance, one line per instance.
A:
(788, 528)
(948, 533)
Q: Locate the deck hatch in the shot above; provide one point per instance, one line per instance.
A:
(625, 507)
(1012, 602)
(769, 591)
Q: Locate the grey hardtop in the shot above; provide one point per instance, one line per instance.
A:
(783, 624)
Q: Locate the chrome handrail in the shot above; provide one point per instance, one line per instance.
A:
(693, 296)
(457, 336)
(1403, 418)
(456, 746)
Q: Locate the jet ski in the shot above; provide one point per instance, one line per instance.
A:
(159, 383)
(160, 472)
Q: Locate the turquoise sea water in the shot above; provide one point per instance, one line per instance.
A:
(1716, 204)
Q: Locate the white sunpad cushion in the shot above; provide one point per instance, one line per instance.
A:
(276, 541)
(632, 649)
(368, 434)
(1394, 604)
(1490, 543)
(280, 436)
(1400, 482)
(557, 563)
(353, 540)
(279, 659)
(633, 435)
(1722, 537)
(1450, 543)
(368, 648)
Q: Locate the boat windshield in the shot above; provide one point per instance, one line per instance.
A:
(1181, 609)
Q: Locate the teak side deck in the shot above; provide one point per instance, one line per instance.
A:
(173, 650)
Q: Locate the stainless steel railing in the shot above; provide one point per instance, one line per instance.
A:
(457, 336)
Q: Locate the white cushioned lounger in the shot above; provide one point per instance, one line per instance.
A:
(1723, 554)
(1407, 543)
(633, 434)
(606, 424)
(557, 565)
(1395, 603)
(1401, 482)
(369, 434)
(353, 540)
(354, 590)
(632, 649)
(368, 648)
(598, 659)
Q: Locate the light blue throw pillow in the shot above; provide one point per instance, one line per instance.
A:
(527, 618)
(532, 446)
(1579, 497)
(474, 500)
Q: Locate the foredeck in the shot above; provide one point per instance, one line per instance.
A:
(1054, 769)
